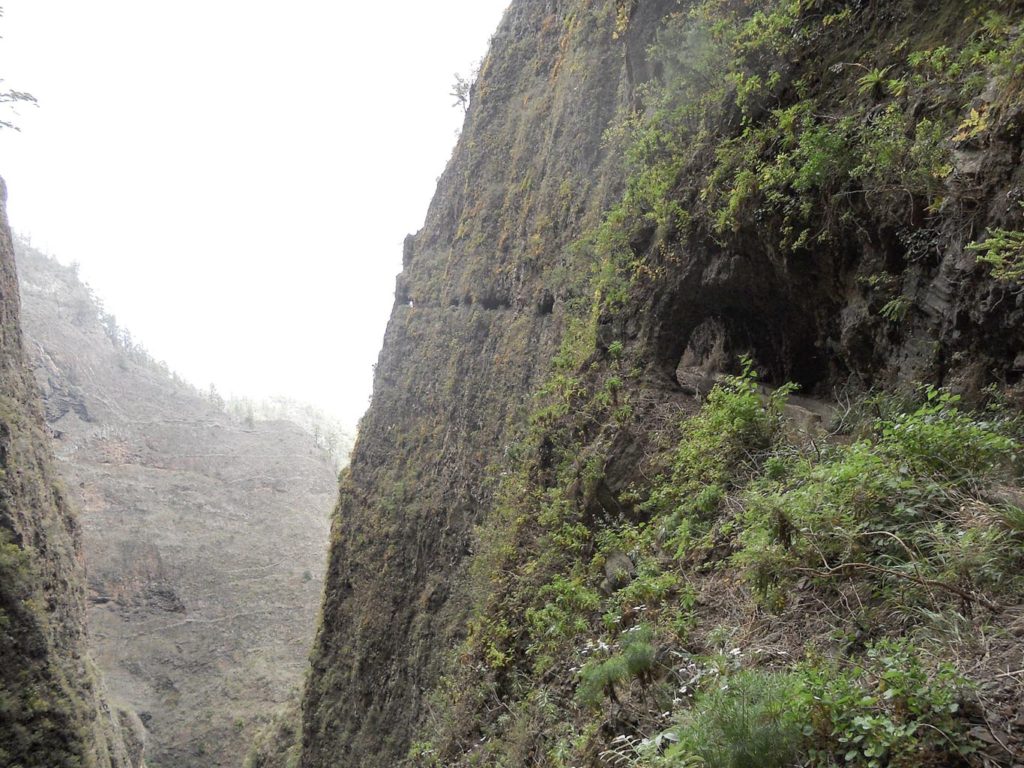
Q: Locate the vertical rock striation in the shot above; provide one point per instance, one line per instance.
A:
(53, 713)
(611, 249)
(478, 316)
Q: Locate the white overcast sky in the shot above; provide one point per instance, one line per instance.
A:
(236, 177)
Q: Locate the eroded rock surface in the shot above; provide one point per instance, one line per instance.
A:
(54, 710)
(204, 536)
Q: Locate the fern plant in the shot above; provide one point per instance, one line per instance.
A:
(874, 81)
(1003, 252)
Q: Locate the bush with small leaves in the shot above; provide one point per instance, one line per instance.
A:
(888, 710)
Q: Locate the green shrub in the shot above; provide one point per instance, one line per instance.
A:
(734, 425)
(891, 710)
(895, 507)
(817, 514)
(598, 679)
(566, 613)
(638, 651)
(1003, 252)
(941, 440)
(896, 309)
(749, 720)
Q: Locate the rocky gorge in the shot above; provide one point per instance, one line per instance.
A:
(696, 433)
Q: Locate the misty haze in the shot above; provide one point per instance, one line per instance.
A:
(512, 383)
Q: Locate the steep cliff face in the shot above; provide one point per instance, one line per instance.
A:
(643, 194)
(53, 712)
(475, 324)
(204, 534)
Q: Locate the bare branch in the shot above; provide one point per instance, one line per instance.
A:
(972, 597)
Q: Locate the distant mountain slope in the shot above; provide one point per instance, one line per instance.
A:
(53, 712)
(204, 535)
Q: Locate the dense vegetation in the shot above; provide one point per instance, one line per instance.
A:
(768, 589)
(770, 572)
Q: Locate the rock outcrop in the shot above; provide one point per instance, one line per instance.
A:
(479, 314)
(643, 187)
(204, 534)
(54, 712)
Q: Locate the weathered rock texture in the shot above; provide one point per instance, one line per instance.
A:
(204, 535)
(491, 282)
(477, 319)
(53, 711)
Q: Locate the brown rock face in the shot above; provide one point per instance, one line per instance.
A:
(486, 301)
(204, 535)
(477, 318)
(53, 711)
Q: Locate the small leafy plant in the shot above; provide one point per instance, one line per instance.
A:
(1003, 252)
(889, 710)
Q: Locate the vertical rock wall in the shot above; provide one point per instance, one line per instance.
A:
(478, 315)
(493, 283)
(52, 710)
